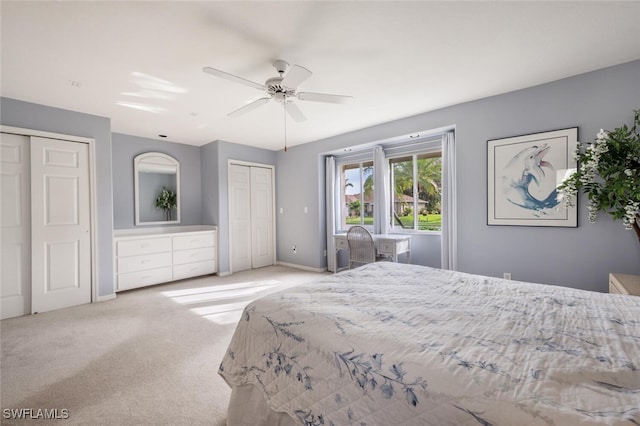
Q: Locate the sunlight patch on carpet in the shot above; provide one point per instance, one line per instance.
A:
(221, 292)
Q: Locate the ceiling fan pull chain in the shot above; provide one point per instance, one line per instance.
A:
(284, 109)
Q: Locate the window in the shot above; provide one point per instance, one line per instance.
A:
(416, 192)
(356, 194)
(415, 189)
(410, 192)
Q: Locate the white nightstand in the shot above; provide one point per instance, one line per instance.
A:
(624, 284)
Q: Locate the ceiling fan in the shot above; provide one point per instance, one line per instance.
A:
(282, 89)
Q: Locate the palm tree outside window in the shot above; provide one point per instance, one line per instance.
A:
(357, 194)
(416, 186)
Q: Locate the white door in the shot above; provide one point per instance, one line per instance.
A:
(251, 217)
(15, 226)
(240, 217)
(261, 217)
(60, 224)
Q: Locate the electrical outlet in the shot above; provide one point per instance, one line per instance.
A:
(295, 250)
(506, 275)
(325, 253)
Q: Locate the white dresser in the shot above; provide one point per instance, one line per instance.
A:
(156, 255)
(624, 284)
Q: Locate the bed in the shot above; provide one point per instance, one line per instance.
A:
(396, 344)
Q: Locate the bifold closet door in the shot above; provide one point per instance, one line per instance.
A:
(60, 224)
(261, 217)
(251, 217)
(240, 217)
(15, 223)
(45, 220)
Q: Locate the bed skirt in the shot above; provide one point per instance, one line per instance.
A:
(248, 407)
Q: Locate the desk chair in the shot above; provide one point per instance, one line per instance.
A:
(361, 247)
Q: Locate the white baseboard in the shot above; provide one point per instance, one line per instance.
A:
(303, 267)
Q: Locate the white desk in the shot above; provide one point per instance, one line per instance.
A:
(386, 244)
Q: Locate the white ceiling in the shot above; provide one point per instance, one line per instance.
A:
(396, 58)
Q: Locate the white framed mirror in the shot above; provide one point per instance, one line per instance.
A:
(157, 189)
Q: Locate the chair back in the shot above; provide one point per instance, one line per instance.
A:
(361, 246)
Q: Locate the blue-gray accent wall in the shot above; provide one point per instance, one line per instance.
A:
(27, 115)
(576, 257)
(125, 149)
(215, 158)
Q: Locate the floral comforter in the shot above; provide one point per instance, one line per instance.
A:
(396, 344)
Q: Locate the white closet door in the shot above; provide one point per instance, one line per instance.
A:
(60, 224)
(261, 217)
(15, 223)
(240, 217)
(251, 217)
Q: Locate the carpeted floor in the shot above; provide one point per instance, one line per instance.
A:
(150, 356)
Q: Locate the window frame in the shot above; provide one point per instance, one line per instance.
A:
(361, 164)
(405, 147)
(414, 157)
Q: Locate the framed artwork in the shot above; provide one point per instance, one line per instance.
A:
(523, 175)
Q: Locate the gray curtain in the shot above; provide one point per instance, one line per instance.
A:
(380, 191)
(449, 209)
(331, 195)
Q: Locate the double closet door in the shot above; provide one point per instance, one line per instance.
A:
(45, 224)
(251, 217)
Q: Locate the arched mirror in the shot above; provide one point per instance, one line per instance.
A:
(157, 189)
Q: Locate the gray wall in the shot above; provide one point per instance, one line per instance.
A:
(39, 117)
(215, 208)
(125, 148)
(150, 185)
(577, 257)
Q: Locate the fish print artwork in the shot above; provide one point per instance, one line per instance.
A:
(527, 178)
(524, 173)
(529, 181)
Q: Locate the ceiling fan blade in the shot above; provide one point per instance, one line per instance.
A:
(295, 76)
(295, 112)
(233, 78)
(248, 107)
(324, 97)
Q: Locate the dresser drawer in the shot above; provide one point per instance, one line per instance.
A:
(386, 247)
(143, 246)
(143, 278)
(195, 255)
(194, 269)
(141, 263)
(613, 288)
(624, 284)
(185, 242)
